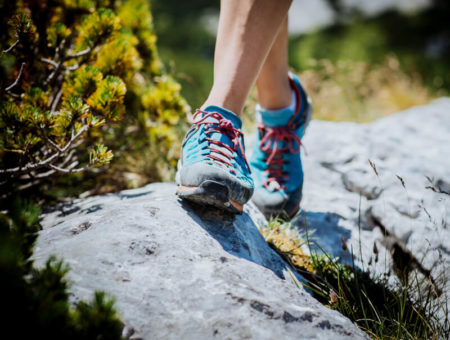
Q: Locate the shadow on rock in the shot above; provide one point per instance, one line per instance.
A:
(68, 208)
(238, 235)
(325, 234)
(128, 194)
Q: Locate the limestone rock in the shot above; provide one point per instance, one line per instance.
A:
(183, 272)
(408, 194)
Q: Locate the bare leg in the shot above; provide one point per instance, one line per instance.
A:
(247, 30)
(274, 90)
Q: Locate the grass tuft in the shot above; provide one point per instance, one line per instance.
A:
(380, 310)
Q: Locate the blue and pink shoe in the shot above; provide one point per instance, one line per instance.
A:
(276, 163)
(213, 169)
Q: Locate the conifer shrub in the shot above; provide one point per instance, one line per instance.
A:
(82, 94)
(81, 83)
(35, 301)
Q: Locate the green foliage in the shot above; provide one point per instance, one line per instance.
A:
(35, 301)
(83, 80)
(378, 308)
(96, 28)
(186, 45)
(420, 41)
(361, 41)
(100, 155)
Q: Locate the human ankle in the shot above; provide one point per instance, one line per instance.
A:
(274, 94)
(278, 117)
(290, 107)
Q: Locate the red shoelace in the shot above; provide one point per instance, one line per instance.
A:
(223, 126)
(269, 144)
(272, 137)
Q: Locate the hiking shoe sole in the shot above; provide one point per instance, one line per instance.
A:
(210, 193)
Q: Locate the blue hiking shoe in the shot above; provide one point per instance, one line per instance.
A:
(275, 162)
(212, 169)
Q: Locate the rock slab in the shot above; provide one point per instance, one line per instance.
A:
(183, 272)
(406, 190)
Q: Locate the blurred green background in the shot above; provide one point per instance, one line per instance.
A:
(359, 60)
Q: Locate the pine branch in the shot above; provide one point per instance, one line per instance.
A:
(19, 76)
(42, 175)
(52, 143)
(49, 61)
(48, 162)
(35, 182)
(72, 68)
(55, 101)
(10, 48)
(60, 65)
(55, 64)
(53, 74)
(68, 158)
(81, 53)
(37, 178)
(69, 169)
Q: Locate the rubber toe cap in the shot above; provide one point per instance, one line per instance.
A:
(194, 175)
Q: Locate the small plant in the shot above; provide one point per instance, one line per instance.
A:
(81, 80)
(35, 301)
(370, 302)
(57, 99)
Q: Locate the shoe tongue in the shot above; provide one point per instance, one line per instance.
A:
(274, 118)
(227, 114)
(235, 121)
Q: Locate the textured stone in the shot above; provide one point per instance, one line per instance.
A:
(343, 195)
(183, 272)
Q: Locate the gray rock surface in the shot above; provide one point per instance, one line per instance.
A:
(180, 272)
(343, 196)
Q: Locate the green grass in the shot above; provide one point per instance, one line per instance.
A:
(384, 312)
(369, 40)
